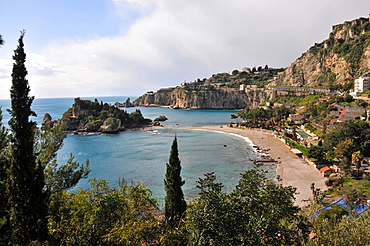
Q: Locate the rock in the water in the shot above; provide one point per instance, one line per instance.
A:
(126, 104)
(161, 118)
(47, 119)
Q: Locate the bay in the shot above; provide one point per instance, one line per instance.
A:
(141, 155)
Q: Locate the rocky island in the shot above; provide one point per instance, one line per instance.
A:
(95, 116)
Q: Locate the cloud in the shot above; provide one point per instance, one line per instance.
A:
(172, 41)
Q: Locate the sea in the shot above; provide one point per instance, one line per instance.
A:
(140, 156)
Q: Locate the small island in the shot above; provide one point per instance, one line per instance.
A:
(95, 116)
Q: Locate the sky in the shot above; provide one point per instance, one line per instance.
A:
(86, 48)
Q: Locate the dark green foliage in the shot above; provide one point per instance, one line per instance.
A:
(356, 131)
(334, 214)
(175, 204)
(264, 118)
(4, 219)
(102, 215)
(1, 40)
(363, 104)
(256, 212)
(316, 152)
(27, 199)
(299, 100)
(354, 232)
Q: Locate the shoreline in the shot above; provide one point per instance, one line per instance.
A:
(293, 171)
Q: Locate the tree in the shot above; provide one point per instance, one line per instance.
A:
(102, 215)
(316, 152)
(357, 158)
(345, 231)
(33, 175)
(235, 72)
(256, 212)
(363, 104)
(4, 225)
(1, 40)
(27, 200)
(175, 204)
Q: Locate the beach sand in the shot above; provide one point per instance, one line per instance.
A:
(293, 171)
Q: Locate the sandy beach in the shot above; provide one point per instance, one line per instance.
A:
(293, 171)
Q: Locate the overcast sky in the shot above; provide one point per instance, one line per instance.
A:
(127, 47)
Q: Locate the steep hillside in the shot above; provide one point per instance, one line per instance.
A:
(335, 62)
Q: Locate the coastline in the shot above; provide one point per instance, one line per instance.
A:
(293, 171)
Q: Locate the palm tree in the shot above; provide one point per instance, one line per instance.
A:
(357, 157)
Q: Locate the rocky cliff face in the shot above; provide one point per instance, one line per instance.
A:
(344, 56)
(214, 99)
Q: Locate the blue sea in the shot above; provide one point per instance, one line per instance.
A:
(141, 155)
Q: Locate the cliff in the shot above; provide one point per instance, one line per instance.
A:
(335, 62)
(203, 99)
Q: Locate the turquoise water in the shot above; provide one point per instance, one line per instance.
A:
(141, 155)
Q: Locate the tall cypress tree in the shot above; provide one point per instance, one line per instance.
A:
(175, 204)
(4, 225)
(27, 200)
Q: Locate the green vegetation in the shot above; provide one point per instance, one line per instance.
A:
(256, 212)
(299, 100)
(175, 204)
(343, 232)
(352, 49)
(265, 118)
(30, 174)
(313, 129)
(104, 216)
(296, 145)
(260, 77)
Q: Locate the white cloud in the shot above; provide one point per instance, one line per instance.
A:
(184, 40)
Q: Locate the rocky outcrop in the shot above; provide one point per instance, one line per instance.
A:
(203, 99)
(47, 119)
(161, 118)
(126, 104)
(344, 56)
(93, 126)
(111, 125)
(88, 116)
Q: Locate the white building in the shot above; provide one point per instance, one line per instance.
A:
(361, 84)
